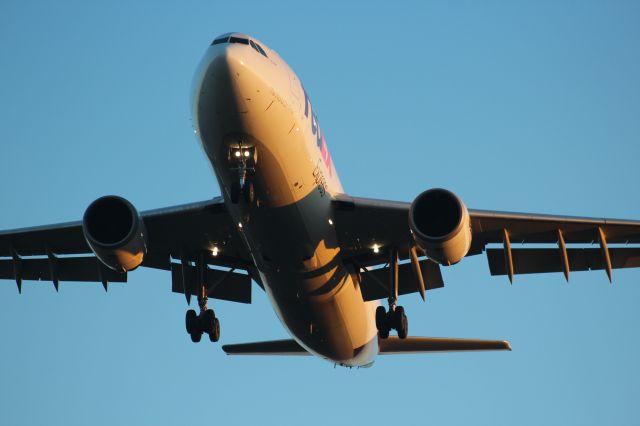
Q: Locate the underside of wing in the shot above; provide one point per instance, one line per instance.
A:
(196, 243)
(530, 243)
(367, 229)
(515, 243)
(374, 282)
(417, 345)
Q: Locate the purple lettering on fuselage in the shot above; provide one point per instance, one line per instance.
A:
(315, 129)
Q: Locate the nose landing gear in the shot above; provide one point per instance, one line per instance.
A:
(205, 322)
(395, 318)
(242, 159)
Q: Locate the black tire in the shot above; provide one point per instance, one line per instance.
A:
(208, 319)
(401, 322)
(404, 331)
(235, 192)
(214, 336)
(396, 319)
(191, 321)
(249, 192)
(383, 333)
(195, 337)
(381, 318)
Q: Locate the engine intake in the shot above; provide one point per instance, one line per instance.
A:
(115, 233)
(440, 224)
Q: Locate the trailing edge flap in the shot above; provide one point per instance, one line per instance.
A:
(538, 260)
(224, 285)
(416, 345)
(87, 269)
(373, 281)
(271, 347)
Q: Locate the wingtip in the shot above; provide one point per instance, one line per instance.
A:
(507, 345)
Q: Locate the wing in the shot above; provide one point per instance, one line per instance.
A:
(185, 233)
(549, 243)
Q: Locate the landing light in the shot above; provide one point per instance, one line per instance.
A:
(376, 248)
(237, 153)
(214, 252)
(240, 225)
(330, 222)
(246, 153)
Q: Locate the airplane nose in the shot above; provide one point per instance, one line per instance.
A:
(218, 83)
(228, 59)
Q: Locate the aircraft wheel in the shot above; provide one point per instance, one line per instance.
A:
(196, 336)
(207, 319)
(382, 322)
(214, 335)
(381, 317)
(191, 320)
(383, 333)
(401, 322)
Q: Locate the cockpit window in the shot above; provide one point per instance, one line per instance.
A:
(258, 49)
(220, 40)
(228, 39)
(238, 40)
(261, 50)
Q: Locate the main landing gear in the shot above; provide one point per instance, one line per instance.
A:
(242, 159)
(206, 322)
(395, 318)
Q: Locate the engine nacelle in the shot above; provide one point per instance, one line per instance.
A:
(440, 224)
(115, 233)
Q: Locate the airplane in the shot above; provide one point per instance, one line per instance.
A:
(325, 259)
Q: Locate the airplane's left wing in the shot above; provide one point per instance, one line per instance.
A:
(515, 243)
(186, 233)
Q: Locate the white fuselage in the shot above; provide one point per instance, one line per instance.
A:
(242, 98)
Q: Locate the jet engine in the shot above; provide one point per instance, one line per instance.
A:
(115, 233)
(440, 224)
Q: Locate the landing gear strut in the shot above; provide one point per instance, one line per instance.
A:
(395, 318)
(243, 160)
(205, 322)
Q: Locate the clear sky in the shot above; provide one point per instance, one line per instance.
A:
(522, 106)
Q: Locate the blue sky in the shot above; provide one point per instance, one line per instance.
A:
(522, 106)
